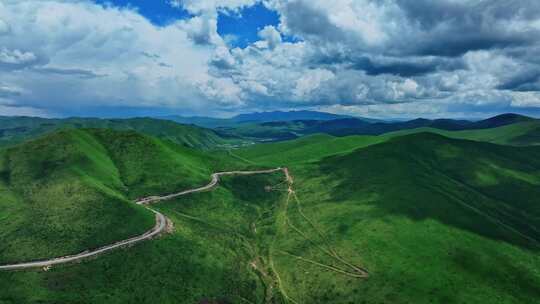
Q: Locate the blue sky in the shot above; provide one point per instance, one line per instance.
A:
(246, 24)
(241, 26)
(380, 59)
(158, 12)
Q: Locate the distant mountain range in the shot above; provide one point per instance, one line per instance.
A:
(287, 116)
(284, 130)
(352, 126)
(210, 133)
(259, 117)
(279, 125)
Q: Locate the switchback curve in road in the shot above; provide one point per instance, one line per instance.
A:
(161, 225)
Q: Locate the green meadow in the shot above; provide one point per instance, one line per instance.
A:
(428, 218)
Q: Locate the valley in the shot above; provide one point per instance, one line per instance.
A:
(269, 152)
(319, 219)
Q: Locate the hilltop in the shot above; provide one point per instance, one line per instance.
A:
(18, 129)
(77, 192)
(344, 126)
(456, 217)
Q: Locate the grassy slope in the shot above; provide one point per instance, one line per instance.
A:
(305, 149)
(434, 220)
(207, 257)
(71, 190)
(17, 129)
(421, 208)
(519, 134)
(315, 147)
(150, 166)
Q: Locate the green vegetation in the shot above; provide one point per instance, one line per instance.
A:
(432, 219)
(18, 129)
(62, 194)
(285, 130)
(518, 134)
(315, 147)
(305, 149)
(207, 256)
(72, 190)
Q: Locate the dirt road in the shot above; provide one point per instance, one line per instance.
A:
(161, 224)
(212, 184)
(158, 228)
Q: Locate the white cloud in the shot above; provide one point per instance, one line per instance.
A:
(311, 81)
(224, 91)
(254, 87)
(198, 6)
(526, 99)
(203, 29)
(7, 91)
(22, 111)
(107, 41)
(271, 36)
(16, 57)
(360, 54)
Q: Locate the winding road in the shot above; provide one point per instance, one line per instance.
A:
(161, 224)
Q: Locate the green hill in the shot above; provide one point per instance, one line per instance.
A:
(18, 129)
(71, 190)
(305, 149)
(315, 147)
(291, 129)
(518, 134)
(432, 219)
(412, 208)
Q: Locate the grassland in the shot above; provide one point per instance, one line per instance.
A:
(206, 257)
(316, 147)
(14, 130)
(518, 134)
(72, 190)
(306, 149)
(432, 219)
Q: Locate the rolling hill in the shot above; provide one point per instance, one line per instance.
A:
(286, 130)
(18, 129)
(525, 133)
(411, 207)
(254, 118)
(72, 189)
(317, 146)
(432, 219)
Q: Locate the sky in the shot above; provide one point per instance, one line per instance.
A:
(370, 58)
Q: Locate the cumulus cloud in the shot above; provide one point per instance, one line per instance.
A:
(271, 36)
(16, 58)
(198, 6)
(203, 30)
(74, 55)
(9, 91)
(311, 81)
(422, 57)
